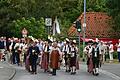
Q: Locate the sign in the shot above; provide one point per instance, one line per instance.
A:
(24, 32)
(48, 22)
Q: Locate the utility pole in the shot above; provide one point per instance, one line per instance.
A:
(84, 28)
(78, 26)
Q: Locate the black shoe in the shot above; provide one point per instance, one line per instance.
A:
(97, 74)
(93, 73)
(66, 70)
(35, 72)
(54, 74)
(69, 70)
(72, 73)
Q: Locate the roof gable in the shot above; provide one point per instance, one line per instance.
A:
(97, 25)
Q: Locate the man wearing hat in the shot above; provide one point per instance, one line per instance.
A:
(66, 51)
(95, 58)
(33, 56)
(73, 57)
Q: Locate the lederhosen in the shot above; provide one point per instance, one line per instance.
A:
(67, 56)
(34, 51)
(95, 57)
(73, 57)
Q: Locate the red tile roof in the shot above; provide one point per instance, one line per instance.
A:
(97, 25)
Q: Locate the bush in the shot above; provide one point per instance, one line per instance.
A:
(115, 55)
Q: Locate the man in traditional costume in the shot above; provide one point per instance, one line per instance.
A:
(73, 57)
(95, 58)
(66, 51)
(33, 56)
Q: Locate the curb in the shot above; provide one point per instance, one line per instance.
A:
(114, 76)
(13, 73)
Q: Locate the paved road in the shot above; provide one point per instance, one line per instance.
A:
(113, 68)
(6, 71)
(22, 74)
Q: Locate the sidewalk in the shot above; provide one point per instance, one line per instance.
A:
(6, 71)
(112, 67)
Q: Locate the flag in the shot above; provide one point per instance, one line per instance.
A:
(54, 28)
(57, 25)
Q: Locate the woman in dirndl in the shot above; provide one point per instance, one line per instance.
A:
(55, 56)
(45, 57)
(89, 57)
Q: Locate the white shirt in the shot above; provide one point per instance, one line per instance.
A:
(95, 52)
(66, 48)
(90, 50)
(55, 49)
(118, 48)
(73, 49)
(111, 48)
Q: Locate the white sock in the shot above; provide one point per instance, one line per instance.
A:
(97, 70)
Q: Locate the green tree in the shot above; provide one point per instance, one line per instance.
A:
(113, 9)
(11, 10)
(96, 5)
(66, 10)
(35, 27)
